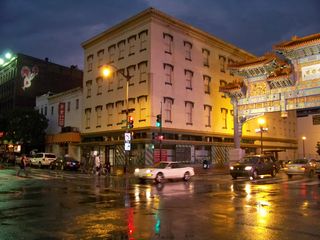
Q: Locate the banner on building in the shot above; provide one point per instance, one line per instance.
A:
(61, 115)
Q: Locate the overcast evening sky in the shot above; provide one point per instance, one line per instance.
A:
(56, 28)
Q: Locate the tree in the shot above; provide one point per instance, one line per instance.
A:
(318, 148)
(26, 127)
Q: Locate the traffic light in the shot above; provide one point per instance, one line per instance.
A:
(130, 122)
(158, 123)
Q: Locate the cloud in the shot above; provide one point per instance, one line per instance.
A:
(56, 29)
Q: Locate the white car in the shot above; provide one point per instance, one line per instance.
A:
(42, 159)
(165, 170)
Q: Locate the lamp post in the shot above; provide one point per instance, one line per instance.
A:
(261, 122)
(304, 152)
(106, 71)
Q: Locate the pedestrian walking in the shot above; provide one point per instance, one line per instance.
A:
(23, 166)
(97, 164)
(108, 168)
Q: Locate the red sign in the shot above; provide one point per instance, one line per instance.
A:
(156, 155)
(61, 115)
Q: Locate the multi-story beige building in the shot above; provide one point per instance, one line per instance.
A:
(176, 69)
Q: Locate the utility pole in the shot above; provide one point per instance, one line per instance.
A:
(160, 137)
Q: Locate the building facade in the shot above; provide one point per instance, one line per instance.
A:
(63, 111)
(23, 77)
(174, 70)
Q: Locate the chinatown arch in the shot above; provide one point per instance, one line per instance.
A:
(287, 79)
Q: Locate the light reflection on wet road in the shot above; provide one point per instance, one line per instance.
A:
(63, 205)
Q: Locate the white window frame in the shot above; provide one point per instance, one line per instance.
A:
(89, 88)
(98, 115)
(168, 71)
(189, 112)
(88, 117)
(189, 76)
(99, 81)
(206, 82)
(188, 48)
(168, 43)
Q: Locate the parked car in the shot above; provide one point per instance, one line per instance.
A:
(42, 159)
(254, 165)
(165, 170)
(302, 166)
(65, 163)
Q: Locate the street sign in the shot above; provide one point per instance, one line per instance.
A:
(127, 146)
(127, 137)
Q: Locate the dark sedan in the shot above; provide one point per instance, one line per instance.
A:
(66, 163)
(252, 166)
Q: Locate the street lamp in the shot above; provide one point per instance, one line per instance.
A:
(106, 71)
(261, 129)
(304, 153)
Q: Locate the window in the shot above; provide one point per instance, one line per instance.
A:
(120, 78)
(168, 71)
(189, 108)
(99, 115)
(89, 85)
(88, 115)
(89, 62)
(112, 52)
(120, 113)
(99, 85)
(206, 82)
(68, 106)
(224, 113)
(142, 100)
(100, 57)
(222, 84)
(168, 102)
(205, 54)
(207, 115)
(188, 47)
(45, 110)
(143, 71)
(168, 40)
(230, 61)
(189, 75)
(121, 46)
(222, 61)
(109, 114)
(143, 40)
(110, 82)
(131, 43)
(131, 71)
(77, 103)
(52, 110)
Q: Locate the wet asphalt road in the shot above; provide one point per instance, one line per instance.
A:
(66, 205)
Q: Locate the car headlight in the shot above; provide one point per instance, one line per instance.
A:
(231, 168)
(136, 170)
(148, 171)
(248, 168)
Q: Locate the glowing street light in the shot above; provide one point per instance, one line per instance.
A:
(261, 129)
(106, 71)
(8, 55)
(304, 152)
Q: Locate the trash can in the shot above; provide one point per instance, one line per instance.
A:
(205, 164)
